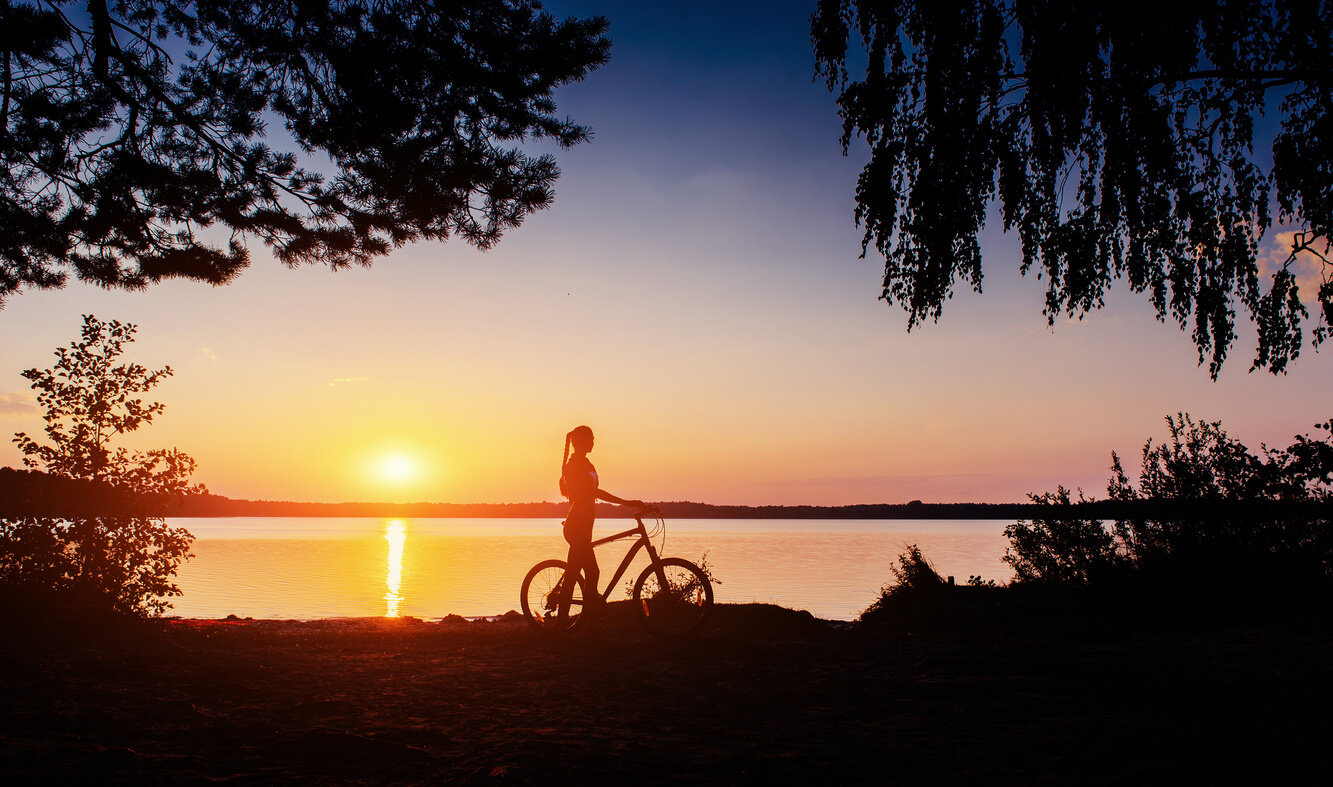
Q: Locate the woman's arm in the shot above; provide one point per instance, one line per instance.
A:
(602, 494)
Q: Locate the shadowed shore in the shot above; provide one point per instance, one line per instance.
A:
(766, 695)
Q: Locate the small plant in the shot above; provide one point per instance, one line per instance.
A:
(703, 565)
(977, 582)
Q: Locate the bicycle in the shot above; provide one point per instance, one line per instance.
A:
(672, 597)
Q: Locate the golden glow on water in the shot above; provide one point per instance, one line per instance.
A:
(396, 534)
(319, 567)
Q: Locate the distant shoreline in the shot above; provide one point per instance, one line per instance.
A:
(29, 493)
(214, 506)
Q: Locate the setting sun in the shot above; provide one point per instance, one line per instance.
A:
(397, 468)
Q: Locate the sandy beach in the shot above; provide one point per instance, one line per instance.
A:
(766, 695)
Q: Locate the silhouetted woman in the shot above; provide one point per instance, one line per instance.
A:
(578, 482)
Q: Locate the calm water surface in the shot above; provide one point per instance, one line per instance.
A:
(287, 567)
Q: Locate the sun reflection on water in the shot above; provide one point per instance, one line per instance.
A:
(395, 533)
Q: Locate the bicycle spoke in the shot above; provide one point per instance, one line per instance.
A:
(546, 588)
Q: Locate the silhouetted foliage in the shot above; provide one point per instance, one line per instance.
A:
(1059, 545)
(128, 128)
(123, 559)
(1216, 507)
(1204, 507)
(914, 581)
(920, 601)
(1118, 144)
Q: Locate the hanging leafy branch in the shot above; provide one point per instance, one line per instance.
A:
(1118, 145)
(132, 132)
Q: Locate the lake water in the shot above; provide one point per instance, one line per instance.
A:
(319, 567)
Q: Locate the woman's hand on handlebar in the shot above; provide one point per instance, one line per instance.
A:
(644, 508)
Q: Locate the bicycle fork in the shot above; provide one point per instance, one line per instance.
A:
(657, 566)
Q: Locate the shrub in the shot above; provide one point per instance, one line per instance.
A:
(123, 559)
(1060, 546)
(915, 580)
(1204, 507)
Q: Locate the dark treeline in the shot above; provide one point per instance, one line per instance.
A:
(213, 505)
(913, 510)
(32, 493)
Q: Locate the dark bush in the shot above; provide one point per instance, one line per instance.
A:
(915, 582)
(1208, 521)
(1060, 546)
(1205, 509)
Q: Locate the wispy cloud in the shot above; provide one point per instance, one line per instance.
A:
(1307, 267)
(207, 353)
(17, 405)
(344, 380)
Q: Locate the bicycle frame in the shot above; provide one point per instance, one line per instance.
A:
(643, 543)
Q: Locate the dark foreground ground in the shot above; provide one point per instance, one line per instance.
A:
(765, 696)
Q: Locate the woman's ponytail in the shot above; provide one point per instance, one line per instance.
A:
(585, 438)
(564, 491)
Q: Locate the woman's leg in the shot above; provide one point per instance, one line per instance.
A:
(582, 558)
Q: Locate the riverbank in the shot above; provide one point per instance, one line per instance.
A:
(766, 695)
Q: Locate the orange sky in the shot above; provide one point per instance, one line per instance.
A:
(695, 295)
(762, 389)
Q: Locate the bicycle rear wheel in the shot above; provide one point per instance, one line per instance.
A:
(541, 596)
(680, 607)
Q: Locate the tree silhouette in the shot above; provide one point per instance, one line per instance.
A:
(130, 131)
(122, 559)
(1119, 144)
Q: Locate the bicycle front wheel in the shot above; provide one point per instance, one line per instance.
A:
(544, 593)
(673, 598)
